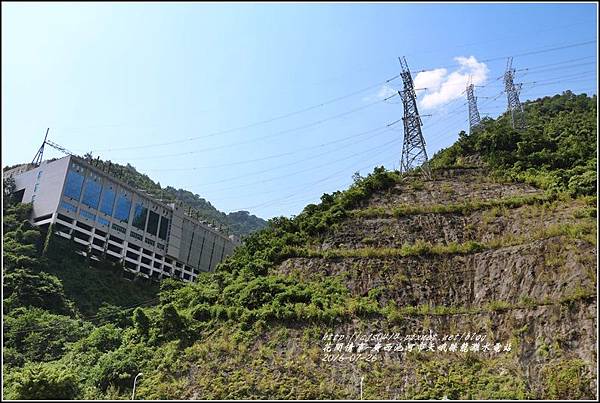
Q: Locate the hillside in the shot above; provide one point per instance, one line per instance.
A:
(500, 244)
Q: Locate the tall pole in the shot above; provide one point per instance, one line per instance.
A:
(517, 115)
(414, 153)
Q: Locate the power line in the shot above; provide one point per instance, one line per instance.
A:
(325, 103)
(525, 70)
(279, 201)
(502, 38)
(237, 143)
(533, 52)
(344, 170)
(284, 165)
(261, 122)
(310, 185)
(553, 28)
(564, 78)
(543, 66)
(360, 134)
(307, 169)
(428, 125)
(544, 83)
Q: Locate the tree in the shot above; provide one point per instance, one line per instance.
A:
(119, 367)
(172, 325)
(25, 288)
(10, 187)
(141, 322)
(37, 381)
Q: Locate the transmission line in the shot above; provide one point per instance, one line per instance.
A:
(360, 134)
(259, 123)
(237, 143)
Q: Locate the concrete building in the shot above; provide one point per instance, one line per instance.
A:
(106, 217)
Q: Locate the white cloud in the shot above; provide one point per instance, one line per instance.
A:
(386, 91)
(443, 87)
(431, 79)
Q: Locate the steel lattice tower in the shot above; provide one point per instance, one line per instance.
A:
(474, 119)
(413, 148)
(512, 90)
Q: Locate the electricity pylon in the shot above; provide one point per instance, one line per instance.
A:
(413, 149)
(474, 118)
(517, 115)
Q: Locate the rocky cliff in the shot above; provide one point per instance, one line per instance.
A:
(504, 269)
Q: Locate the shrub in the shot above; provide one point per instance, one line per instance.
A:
(37, 381)
(119, 367)
(567, 380)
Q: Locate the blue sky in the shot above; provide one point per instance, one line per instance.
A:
(258, 106)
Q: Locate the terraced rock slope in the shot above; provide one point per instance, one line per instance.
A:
(461, 253)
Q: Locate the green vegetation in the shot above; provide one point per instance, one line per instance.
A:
(472, 378)
(583, 230)
(38, 381)
(52, 297)
(453, 208)
(72, 330)
(557, 151)
(567, 380)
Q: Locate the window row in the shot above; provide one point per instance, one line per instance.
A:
(90, 192)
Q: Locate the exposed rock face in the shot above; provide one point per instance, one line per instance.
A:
(450, 186)
(534, 284)
(443, 228)
(509, 274)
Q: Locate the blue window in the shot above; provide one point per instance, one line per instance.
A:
(122, 207)
(164, 225)
(87, 214)
(103, 221)
(91, 191)
(68, 206)
(139, 216)
(152, 223)
(108, 199)
(73, 184)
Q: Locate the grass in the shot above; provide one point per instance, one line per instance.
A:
(585, 231)
(394, 313)
(417, 185)
(448, 208)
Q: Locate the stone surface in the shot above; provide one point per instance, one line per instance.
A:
(535, 279)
